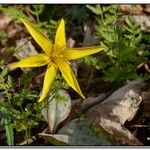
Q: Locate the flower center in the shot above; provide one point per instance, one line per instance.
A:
(56, 54)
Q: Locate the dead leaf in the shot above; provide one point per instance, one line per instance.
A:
(70, 42)
(4, 21)
(121, 106)
(89, 38)
(143, 21)
(13, 29)
(132, 9)
(24, 49)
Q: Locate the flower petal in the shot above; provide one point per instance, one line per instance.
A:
(48, 79)
(75, 53)
(38, 36)
(32, 61)
(60, 38)
(69, 76)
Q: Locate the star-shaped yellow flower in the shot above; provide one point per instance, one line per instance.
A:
(55, 56)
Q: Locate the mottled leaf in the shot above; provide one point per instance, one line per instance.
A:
(80, 132)
(83, 132)
(56, 139)
(58, 109)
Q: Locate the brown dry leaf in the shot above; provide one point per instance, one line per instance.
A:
(4, 21)
(132, 9)
(121, 106)
(8, 25)
(14, 29)
(24, 49)
(143, 21)
(89, 38)
(70, 42)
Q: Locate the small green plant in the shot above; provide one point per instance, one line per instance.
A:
(121, 39)
(36, 10)
(20, 111)
(7, 120)
(17, 113)
(3, 37)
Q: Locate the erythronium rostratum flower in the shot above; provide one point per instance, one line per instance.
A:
(55, 56)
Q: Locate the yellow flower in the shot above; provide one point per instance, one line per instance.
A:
(55, 56)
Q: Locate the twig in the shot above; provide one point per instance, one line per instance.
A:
(28, 141)
(140, 126)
